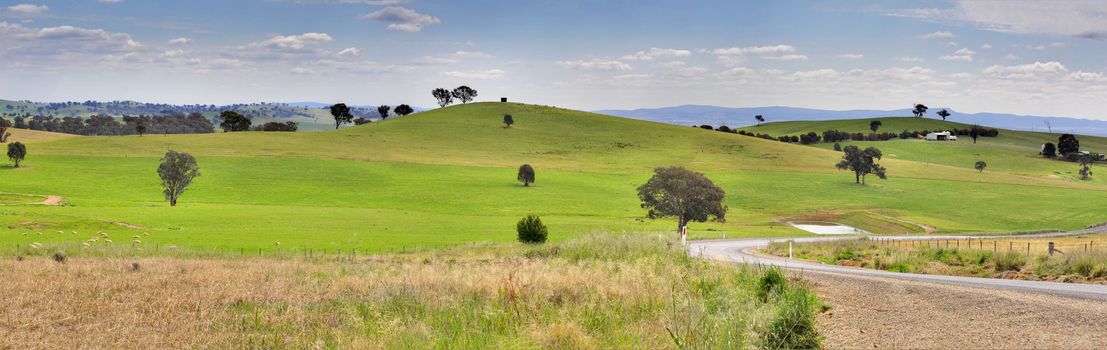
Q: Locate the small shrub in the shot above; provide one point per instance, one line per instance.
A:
(59, 257)
(134, 267)
(794, 324)
(1009, 261)
(772, 283)
(531, 230)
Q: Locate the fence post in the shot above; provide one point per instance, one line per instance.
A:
(1027, 248)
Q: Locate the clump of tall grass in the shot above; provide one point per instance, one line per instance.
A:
(793, 325)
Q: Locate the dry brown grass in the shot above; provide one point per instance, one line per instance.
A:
(491, 296)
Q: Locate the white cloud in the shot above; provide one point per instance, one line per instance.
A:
(962, 75)
(180, 41)
(109, 1)
(295, 42)
(26, 10)
(344, 2)
(985, 46)
(911, 59)
(1084, 19)
(481, 74)
(787, 58)
(470, 54)
(1032, 70)
(1053, 45)
(755, 50)
(964, 54)
(655, 53)
(940, 36)
(402, 18)
(851, 56)
(349, 51)
(18, 40)
(302, 71)
(1011, 56)
(913, 73)
(173, 53)
(596, 64)
(816, 74)
(1087, 76)
(432, 61)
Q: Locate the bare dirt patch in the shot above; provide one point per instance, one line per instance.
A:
(53, 200)
(868, 312)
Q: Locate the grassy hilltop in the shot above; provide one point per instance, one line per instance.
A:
(446, 177)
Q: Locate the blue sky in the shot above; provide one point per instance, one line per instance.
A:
(1001, 56)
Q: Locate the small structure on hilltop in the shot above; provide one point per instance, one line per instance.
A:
(503, 99)
(941, 136)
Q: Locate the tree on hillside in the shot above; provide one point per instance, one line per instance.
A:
(975, 132)
(875, 125)
(17, 151)
(464, 93)
(943, 113)
(443, 96)
(1049, 150)
(140, 129)
(1068, 144)
(362, 121)
(980, 165)
(920, 110)
(861, 162)
(508, 120)
(760, 119)
(403, 110)
(383, 111)
(177, 171)
(684, 194)
(526, 175)
(4, 134)
(1086, 161)
(233, 121)
(341, 114)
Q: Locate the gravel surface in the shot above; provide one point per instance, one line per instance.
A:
(874, 312)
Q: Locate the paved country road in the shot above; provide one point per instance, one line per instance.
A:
(744, 251)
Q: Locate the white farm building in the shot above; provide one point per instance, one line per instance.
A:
(941, 136)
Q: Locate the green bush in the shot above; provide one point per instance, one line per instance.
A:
(772, 283)
(531, 230)
(1009, 261)
(794, 324)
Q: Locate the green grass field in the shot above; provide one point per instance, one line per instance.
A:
(447, 176)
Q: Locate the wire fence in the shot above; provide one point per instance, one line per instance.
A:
(1001, 245)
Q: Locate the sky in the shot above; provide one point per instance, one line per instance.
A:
(1023, 57)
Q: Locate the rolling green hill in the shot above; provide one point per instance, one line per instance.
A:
(447, 176)
(1013, 151)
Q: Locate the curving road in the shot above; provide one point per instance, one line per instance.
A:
(743, 251)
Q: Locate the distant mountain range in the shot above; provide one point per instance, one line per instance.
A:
(739, 117)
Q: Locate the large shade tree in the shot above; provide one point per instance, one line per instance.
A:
(526, 175)
(383, 111)
(1068, 144)
(875, 125)
(234, 121)
(683, 194)
(17, 151)
(944, 114)
(341, 114)
(403, 110)
(177, 170)
(464, 93)
(919, 110)
(861, 162)
(443, 97)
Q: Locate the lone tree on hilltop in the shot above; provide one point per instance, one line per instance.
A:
(980, 165)
(684, 194)
(875, 125)
(17, 151)
(443, 96)
(526, 175)
(531, 230)
(341, 114)
(861, 162)
(1049, 150)
(403, 110)
(177, 171)
(464, 93)
(760, 119)
(233, 121)
(944, 114)
(383, 111)
(920, 110)
(508, 120)
(1068, 144)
